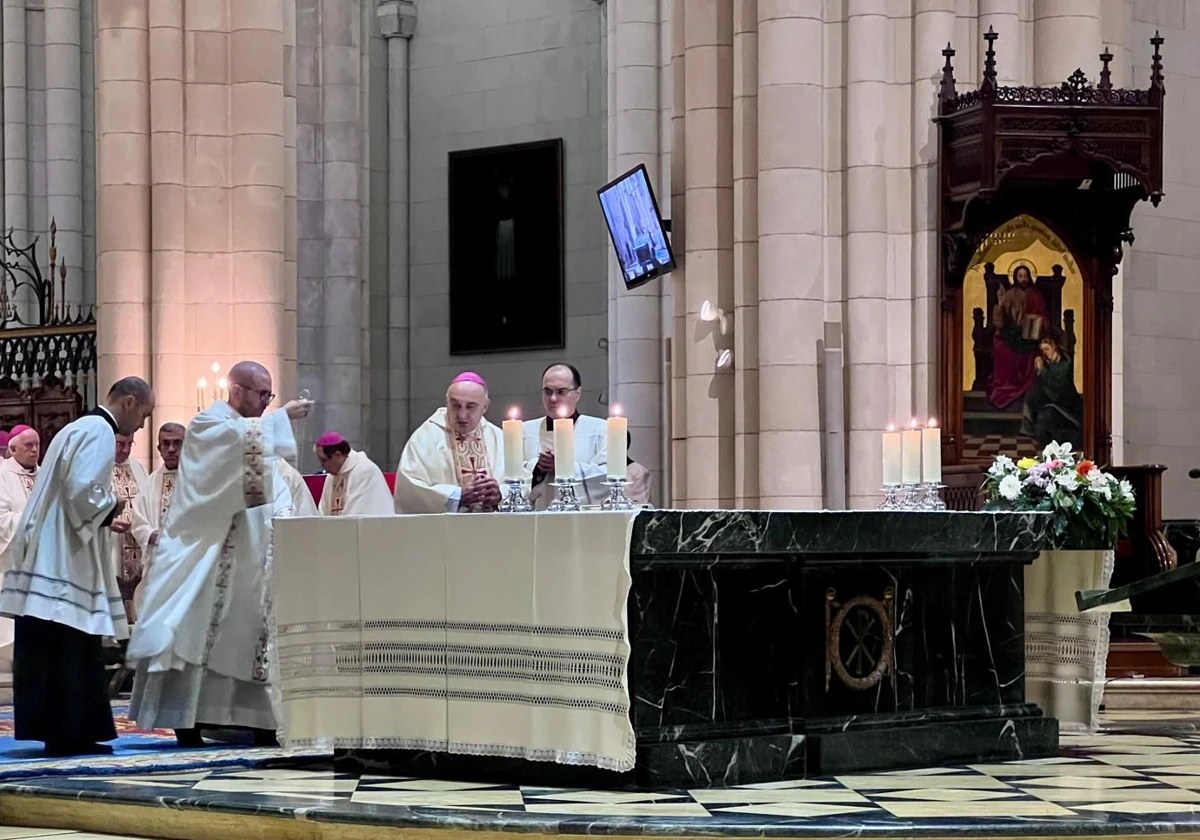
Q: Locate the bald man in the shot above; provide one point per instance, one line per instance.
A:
(562, 386)
(199, 647)
(453, 461)
(150, 507)
(17, 475)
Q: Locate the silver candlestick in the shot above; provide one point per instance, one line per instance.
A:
(617, 500)
(890, 497)
(514, 500)
(566, 501)
(931, 497)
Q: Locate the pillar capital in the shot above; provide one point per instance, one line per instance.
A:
(397, 18)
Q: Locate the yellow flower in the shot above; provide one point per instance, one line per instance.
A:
(1026, 463)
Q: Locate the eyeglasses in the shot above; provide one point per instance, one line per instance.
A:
(560, 392)
(264, 394)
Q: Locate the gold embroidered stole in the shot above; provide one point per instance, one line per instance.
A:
(27, 479)
(339, 494)
(164, 502)
(470, 457)
(125, 487)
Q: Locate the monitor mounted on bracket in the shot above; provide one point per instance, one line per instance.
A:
(638, 231)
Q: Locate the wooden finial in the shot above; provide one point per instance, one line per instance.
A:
(1156, 75)
(1105, 74)
(947, 90)
(989, 64)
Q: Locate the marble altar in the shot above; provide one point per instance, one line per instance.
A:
(776, 645)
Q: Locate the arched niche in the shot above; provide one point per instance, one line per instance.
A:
(1049, 176)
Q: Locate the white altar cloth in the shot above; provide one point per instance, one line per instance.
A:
(491, 634)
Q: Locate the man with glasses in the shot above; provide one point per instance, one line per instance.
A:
(562, 386)
(200, 645)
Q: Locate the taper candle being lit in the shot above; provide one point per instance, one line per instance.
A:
(910, 460)
(618, 443)
(514, 451)
(891, 456)
(564, 447)
(931, 453)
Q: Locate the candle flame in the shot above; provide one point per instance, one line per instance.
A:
(201, 382)
(563, 413)
(912, 423)
(514, 413)
(221, 382)
(216, 367)
(615, 410)
(891, 427)
(932, 424)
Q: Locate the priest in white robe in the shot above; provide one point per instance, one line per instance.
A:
(355, 486)
(199, 646)
(453, 461)
(302, 498)
(129, 480)
(562, 386)
(150, 507)
(17, 475)
(59, 584)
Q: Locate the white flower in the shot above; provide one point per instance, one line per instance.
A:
(1126, 488)
(1067, 480)
(1099, 477)
(1001, 466)
(1010, 487)
(1061, 451)
(1103, 489)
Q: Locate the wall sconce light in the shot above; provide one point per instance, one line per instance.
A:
(725, 359)
(710, 313)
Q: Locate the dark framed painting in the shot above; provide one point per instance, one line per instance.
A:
(506, 248)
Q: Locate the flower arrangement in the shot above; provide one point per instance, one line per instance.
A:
(1087, 502)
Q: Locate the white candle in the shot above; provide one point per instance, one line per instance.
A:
(514, 446)
(618, 443)
(564, 449)
(201, 384)
(891, 456)
(931, 453)
(910, 460)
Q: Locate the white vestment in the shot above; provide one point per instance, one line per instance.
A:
(149, 512)
(436, 463)
(302, 499)
(359, 489)
(200, 643)
(591, 459)
(60, 562)
(16, 483)
(129, 481)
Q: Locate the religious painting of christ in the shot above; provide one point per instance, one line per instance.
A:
(1018, 322)
(506, 248)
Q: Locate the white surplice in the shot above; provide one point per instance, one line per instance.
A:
(129, 481)
(149, 512)
(16, 483)
(59, 562)
(436, 463)
(302, 499)
(359, 489)
(591, 459)
(200, 643)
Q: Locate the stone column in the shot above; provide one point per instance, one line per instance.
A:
(397, 20)
(790, 246)
(123, 191)
(64, 149)
(16, 175)
(679, 317)
(289, 382)
(745, 250)
(1066, 36)
(1005, 17)
(87, 108)
(708, 33)
(635, 317)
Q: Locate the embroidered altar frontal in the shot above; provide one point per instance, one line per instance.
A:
(498, 635)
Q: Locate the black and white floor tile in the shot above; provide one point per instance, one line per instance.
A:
(1139, 775)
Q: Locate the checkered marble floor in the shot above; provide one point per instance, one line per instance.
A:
(989, 446)
(1140, 774)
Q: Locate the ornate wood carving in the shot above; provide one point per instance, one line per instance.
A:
(1077, 157)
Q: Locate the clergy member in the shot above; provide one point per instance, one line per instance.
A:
(562, 386)
(129, 480)
(17, 475)
(4, 436)
(453, 460)
(60, 587)
(355, 485)
(150, 507)
(302, 497)
(200, 643)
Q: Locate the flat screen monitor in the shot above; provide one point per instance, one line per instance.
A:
(636, 228)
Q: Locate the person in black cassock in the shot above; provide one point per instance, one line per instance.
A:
(60, 585)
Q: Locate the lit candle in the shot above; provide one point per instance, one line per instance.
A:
(216, 368)
(910, 460)
(514, 445)
(618, 443)
(223, 388)
(564, 448)
(891, 456)
(931, 453)
(201, 384)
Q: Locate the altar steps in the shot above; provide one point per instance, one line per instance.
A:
(1152, 693)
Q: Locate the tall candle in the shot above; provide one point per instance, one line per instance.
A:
(910, 460)
(564, 449)
(514, 446)
(201, 384)
(618, 443)
(931, 453)
(891, 456)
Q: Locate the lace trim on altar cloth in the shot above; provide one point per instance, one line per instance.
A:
(306, 693)
(463, 626)
(574, 759)
(254, 463)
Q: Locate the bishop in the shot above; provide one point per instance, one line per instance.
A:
(355, 486)
(17, 475)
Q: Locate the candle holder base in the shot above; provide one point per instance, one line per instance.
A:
(910, 497)
(617, 500)
(566, 501)
(514, 500)
(931, 497)
(891, 499)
